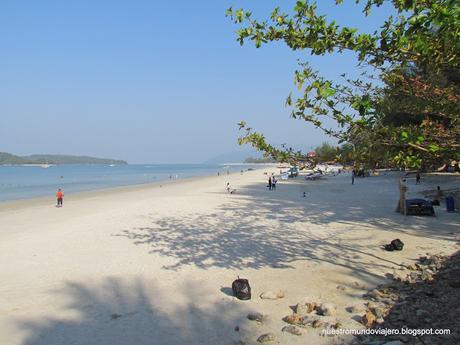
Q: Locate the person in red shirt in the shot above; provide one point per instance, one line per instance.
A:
(59, 196)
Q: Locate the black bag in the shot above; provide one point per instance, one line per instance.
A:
(389, 247)
(241, 289)
(396, 244)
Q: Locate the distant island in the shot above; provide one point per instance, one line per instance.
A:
(10, 159)
(259, 160)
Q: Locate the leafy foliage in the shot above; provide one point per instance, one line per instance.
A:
(413, 119)
(327, 153)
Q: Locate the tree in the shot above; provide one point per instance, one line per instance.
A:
(413, 119)
(326, 153)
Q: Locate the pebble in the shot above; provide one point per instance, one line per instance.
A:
(293, 319)
(355, 309)
(378, 312)
(326, 309)
(368, 319)
(375, 294)
(292, 329)
(255, 317)
(265, 338)
(305, 308)
(337, 325)
(317, 323)
(412, 267)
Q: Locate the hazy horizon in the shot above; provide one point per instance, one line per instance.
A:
(149, 82)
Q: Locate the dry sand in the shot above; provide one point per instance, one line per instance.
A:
(154, 265)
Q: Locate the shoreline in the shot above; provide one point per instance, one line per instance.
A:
(17, 204)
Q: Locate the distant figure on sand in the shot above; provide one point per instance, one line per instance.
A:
(229, 188)
(353, 176)
(417, 178)
(438, 196)
(270, 183)
(273, 183)
(59, 197)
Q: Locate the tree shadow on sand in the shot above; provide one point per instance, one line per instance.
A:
(120, 312)
(257, 228)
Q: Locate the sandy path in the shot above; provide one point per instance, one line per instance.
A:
(151, 265)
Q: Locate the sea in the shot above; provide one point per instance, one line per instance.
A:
(25, 182)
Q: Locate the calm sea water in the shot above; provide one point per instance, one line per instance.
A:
(19, 182)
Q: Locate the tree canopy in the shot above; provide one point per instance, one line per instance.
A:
(403, 110)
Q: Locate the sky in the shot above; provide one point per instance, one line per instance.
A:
(150, 81)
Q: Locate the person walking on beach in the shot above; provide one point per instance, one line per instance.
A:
(270, 183)
(353, 176)
(59, 197)
(273, 183)
(417, 178)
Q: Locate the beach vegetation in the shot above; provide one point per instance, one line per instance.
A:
(402, 110)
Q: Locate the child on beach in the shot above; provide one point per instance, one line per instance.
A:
(59, 197)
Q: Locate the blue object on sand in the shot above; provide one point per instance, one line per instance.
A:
(450, 204)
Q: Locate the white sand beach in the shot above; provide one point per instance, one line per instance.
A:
(154, 264)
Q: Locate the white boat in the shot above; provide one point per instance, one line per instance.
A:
(314, 176)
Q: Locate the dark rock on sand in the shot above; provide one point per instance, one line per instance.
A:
(256, 317)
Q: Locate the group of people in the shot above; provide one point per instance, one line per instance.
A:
(230, 189)
(272, 182)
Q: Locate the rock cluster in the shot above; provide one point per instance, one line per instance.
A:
(310, 315)
(424, 296)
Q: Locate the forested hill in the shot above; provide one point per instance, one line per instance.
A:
(7, 158)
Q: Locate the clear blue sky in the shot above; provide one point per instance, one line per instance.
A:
(148, 81)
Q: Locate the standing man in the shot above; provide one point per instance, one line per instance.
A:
(417, 178)
(59, 197)
(270, 183)
(353, 176)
